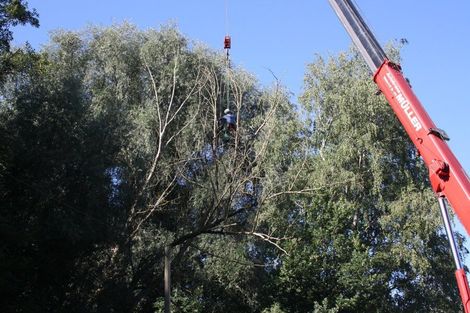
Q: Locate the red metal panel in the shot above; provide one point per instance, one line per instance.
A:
(447, 175)
(462, 283)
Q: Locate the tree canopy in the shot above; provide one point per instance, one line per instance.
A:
(12, 13)
(111, 150)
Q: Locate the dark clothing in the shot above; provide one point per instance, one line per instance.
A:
(229, 121)
(230, 118)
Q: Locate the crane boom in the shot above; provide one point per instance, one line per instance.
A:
(448, 178)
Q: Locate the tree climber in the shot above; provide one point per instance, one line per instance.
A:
(228, 121)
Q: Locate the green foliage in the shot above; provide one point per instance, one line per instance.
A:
(323, 307)
(373, 222)
(110, 152)
(12, 13)
(275, 308)
(181, 303)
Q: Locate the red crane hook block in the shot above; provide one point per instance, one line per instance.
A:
(227, 42)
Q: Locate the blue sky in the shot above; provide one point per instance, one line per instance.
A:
(284, 36)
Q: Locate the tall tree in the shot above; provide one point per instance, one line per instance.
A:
(115, 152)
(54, 177)
(371, 236)
(12, 13)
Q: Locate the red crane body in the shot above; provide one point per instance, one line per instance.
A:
(447, 175)
(448, 178)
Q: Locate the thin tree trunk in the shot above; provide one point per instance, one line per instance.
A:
(167, 278)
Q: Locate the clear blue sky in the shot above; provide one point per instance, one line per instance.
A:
(285, 35)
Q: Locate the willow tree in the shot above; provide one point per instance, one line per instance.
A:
(127, 158)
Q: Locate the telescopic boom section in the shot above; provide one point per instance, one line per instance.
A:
(448, 179)
(360, 33)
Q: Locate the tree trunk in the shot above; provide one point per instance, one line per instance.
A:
(167, 278)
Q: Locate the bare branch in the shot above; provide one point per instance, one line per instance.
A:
(155, 90)
(270, 239)
(308, 190)
(173, 88)
(159, 201)
(229, 260)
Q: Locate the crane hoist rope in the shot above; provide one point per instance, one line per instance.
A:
(228, 120)
(227, 46)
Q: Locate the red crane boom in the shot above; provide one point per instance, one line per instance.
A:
(448, 178)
